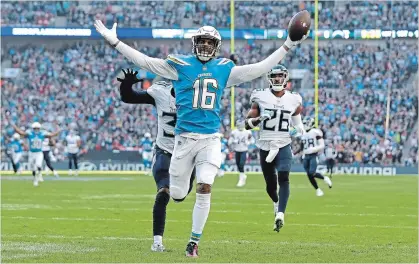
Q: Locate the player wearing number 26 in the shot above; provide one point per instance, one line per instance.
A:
(199, 81)
(273, 109)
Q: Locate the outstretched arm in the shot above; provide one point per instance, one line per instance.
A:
(128, 95)
(19, 131)
(51, 135)
(157, 66)
(246, 73)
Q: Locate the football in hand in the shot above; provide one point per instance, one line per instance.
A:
(299, 25)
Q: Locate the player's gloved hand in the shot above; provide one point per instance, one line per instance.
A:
(130, 77)
(266, 114)
(108, 34)
(289, 43)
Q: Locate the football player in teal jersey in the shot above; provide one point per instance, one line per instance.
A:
(35, 137)
(199, 81)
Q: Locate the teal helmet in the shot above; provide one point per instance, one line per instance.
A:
(308, 123)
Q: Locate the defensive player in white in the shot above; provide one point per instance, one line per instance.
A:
(73, 143)
(35, 137)
(331, 155)
(239, 141)
(312, 143)
(199, 81)
(46, 150)
(273, 109)
(161, 95)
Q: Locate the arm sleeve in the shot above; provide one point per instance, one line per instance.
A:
(129, 96)
(157, 66)
(298, 124)
(245, 73)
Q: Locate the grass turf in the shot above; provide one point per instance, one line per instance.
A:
(107, 218)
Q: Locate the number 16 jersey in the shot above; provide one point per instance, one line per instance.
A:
(276, 129)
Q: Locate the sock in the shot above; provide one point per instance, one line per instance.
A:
(275, 208)
(313, 182)
(159, 213)
(200, 215)
(158, 239)
(284, 193)
(319, 176)
(33, 173)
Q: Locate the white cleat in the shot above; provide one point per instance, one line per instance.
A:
(279, 221)
(70, 172)
(319, 192)
(220, 173)
(328, 181)
(242, 181)
(40, 178)
(157, 247)
(35, 182)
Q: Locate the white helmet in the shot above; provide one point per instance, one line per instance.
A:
(36, 125)
(241, 124)
(278, 78)
(308, 123)
(205, 51)
(16, 136)
(147, 135)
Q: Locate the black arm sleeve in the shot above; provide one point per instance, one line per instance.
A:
(129, 96)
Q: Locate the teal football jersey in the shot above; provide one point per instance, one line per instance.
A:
(199, 89)
(35, 141)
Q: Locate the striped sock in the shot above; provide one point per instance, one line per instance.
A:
(195, 237)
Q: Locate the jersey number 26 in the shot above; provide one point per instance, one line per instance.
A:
(282, 125)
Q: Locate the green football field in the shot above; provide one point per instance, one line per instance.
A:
(107, 218)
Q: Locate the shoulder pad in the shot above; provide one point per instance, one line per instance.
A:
(223, 61)
(179, 59)
(257, 94)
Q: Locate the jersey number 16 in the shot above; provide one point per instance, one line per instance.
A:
(201, 93)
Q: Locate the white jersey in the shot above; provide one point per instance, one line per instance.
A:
(274, 133)
(166, 110)
(45, 145)
(240, 140)
(330, 153)
(310, 140)
(72, 146)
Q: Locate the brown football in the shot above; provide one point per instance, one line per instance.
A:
(299, 25)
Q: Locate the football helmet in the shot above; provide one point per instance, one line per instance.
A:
(240, 124)
(308, 123)
(278, 78)
(36, 125)
(16, 136)
(206, 43)
(147, 135)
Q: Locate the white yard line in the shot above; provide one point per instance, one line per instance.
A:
(14, 207)
(292, 243)
(213, 222)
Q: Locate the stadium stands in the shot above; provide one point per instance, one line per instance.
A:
(249, 14)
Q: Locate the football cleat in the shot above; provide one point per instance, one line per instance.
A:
(40, 178)
(192, 250)
(35, 182)
(319, 192)
(157, 247)
(242, 181)
(279, 221)
(328, 181)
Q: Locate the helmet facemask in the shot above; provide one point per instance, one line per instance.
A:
(205, 47)
(308, 123)
(278, 79)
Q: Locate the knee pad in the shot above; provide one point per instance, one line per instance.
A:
(283, 176)
(178, 194)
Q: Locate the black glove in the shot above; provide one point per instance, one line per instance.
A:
(130, 77)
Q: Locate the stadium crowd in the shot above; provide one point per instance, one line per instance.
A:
(248, 14)
(76, 85)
